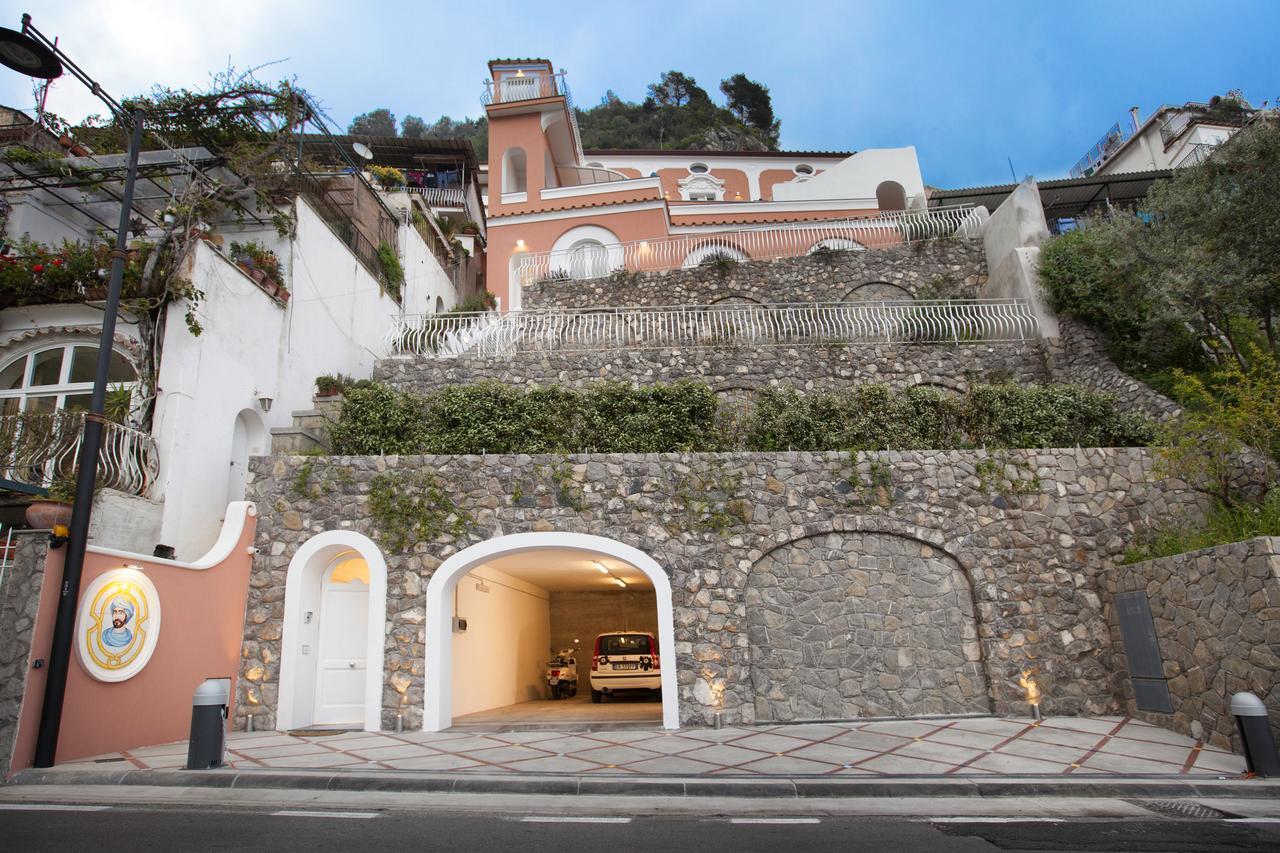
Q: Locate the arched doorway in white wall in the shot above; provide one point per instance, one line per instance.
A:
(248, 438)
(497, 609)
(332, 644)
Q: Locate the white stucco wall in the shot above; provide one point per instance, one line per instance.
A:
(500, 659)
(857, 177)
(251, 347)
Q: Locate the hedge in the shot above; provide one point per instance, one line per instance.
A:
(490, 417)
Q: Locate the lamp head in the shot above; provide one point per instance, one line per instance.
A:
(25, 55)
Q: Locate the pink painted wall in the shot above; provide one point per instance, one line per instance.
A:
(201, 629)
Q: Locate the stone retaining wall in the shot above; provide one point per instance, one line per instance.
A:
(731, 369)
(1032, 532)
(1217, 619)
(19, 603)
(933, 269)
(1079, 356)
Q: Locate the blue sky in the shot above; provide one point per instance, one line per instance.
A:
(970, 84)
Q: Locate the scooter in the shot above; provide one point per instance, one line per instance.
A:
(562, 674)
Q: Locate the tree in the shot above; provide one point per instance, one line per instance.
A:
(412, 127)
(675, 89)
(379, 122)
(750, 102)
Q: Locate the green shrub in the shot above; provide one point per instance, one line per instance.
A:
(490, 417)
(392, 270)
(1224, 524)
(377, 419)
(871, 417)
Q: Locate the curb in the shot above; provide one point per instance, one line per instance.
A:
(779, 788)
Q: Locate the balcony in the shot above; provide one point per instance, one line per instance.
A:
(524, 87)
(693, 326)
(769, 243)
(39, 449)
(531, 87)
(452, 197)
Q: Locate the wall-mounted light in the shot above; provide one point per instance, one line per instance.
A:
(519, 245)
(600, 567)
(264, 403)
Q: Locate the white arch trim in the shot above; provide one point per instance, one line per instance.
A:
(438, 710)
(308, 566)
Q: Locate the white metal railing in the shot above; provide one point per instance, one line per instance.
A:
(38, 449)
(531, 86)
(738, 324)
(1196, 155)
(438, 196)
(595, 260)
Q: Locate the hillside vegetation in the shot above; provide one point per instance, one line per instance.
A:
(676, 113)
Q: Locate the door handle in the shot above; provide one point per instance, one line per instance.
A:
(351, 665)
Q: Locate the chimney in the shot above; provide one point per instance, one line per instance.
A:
(1133, 114)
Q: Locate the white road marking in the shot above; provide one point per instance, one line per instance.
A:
(556, 819)
(980, 819)
(777, 820)
(1253, 820)
(354, 815)
(49, 807)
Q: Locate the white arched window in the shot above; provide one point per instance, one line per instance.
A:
(58, 377)
(588, 259)
(513, 170)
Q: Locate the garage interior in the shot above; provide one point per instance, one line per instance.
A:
(519, 610)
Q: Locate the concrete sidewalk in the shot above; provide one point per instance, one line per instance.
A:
(967, 747)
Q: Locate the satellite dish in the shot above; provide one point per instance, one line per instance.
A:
(27, 56)
(362, 150)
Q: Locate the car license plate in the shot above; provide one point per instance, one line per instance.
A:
(553, 681)
(626, 666)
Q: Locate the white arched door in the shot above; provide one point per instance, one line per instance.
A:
(342, 653)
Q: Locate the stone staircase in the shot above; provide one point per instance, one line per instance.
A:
(310, 429)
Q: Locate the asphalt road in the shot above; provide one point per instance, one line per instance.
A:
(32, 829)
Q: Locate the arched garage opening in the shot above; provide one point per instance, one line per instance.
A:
(845, 625)
(520, 596)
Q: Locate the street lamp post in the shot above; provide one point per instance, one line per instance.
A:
(28, 52)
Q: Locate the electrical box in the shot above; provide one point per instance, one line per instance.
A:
(459, 625)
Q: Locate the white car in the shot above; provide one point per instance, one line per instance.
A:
(623, 661)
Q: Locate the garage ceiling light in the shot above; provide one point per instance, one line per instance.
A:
(619, 581)
(600, 567)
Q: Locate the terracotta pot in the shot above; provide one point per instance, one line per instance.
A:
(43, 515)
(257, 275)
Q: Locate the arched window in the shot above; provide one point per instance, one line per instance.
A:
(439, 305)
(891, 196)
(513, 170)
(588, 259)
(58, 377)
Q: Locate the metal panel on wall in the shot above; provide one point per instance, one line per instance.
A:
(1142, 649)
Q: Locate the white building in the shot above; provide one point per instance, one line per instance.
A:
(167, 478)
(1170, 138)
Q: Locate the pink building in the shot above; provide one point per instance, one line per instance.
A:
(557, 211)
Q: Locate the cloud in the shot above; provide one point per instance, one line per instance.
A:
(129, 45)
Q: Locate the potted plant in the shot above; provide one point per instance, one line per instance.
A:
(55, 508)
(332, 385)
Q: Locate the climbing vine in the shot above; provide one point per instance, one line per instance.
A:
(709, 502)
(414, 507)
(1001, 474)
(875, 489)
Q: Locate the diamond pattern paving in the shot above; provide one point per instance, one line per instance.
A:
(961, 746)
